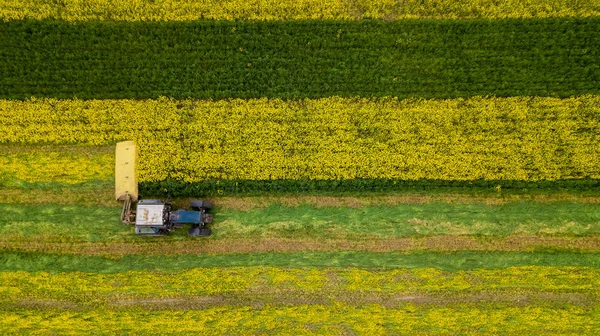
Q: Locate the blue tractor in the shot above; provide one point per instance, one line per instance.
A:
(157, 218)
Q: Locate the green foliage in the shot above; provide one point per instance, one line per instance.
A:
(58, 223)
(71, 223)
(404, 220)
(358, 186)
(298, 59)
(463, 260)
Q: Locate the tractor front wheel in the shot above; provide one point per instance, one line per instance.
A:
(199, 204)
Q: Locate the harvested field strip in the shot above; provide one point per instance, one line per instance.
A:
(102, 289)
(452, 261)
(556, 57)
(293, 297)
(445, 243)
(334, 319)
(83, 194)
(312, 145)
(270, 10)
(408, 220)
(73, 223)
(101, 194)
(455, 196)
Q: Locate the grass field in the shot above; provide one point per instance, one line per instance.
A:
(377, 167)
(403, 259)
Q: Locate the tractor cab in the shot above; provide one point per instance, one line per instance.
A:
(155, 217)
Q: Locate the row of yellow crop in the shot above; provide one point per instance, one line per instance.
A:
(306, 319)
(55, 166)
(134, 285)
(518, 138)
(185, 10)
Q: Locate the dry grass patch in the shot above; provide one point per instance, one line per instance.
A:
(236, 246)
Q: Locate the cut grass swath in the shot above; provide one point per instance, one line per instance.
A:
(72, 223)
(463, 260)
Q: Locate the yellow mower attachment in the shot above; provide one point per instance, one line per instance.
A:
(126, 184)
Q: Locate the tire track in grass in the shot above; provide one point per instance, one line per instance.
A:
(450, 261)
(445, 243)
(102, 195)
(299, 298)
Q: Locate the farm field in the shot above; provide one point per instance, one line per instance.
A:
(377, 167)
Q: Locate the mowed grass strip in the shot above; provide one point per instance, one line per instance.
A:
(300, 59)
(93, 289)
(310, 319)
(405, 220)
(85, 194)
(269, 10)
(72, 223)
(102, 194)
(451, 261)
(444, 243)
(329, 144)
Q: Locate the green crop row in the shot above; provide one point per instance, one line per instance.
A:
(174, 188)
(452, 261)
(298, 59)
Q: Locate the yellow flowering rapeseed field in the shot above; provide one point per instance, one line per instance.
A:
(517, 138)
(94, 288)
(185, 10)
(206, 300)
(55, 166)
(310, 319)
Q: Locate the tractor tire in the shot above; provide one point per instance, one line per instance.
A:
(194, 231)
(199, 204)
(207, 218)
(205, 232)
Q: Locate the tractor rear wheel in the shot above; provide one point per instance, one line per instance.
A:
(199, 204)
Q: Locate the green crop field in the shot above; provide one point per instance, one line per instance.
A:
(377, 167)
(300, 59)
